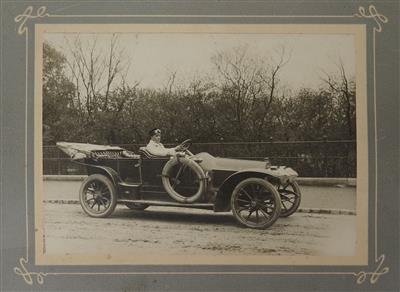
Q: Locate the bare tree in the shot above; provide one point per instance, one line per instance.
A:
(270, 79)
(95, 72)
(169, 86)
(343, 88)
(251, 83)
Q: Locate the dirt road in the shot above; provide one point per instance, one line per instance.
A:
(69, 230)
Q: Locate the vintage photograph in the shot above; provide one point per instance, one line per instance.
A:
(201, 144)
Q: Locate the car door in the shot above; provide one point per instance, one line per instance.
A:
(151, 171)
(129, 170)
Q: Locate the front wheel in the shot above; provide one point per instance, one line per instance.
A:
(290, 198)
(98, 196)
(255, 203)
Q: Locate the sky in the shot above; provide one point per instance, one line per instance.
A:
(153, 56)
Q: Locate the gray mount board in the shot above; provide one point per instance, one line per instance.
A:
(19, 271)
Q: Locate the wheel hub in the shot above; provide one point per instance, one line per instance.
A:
(97, 195)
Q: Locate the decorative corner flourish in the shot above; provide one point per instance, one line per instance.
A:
(28, 276)
(28, 14)
(375, 275)
(372, 13)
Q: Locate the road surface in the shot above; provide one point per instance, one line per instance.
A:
(181, 231)
(68, 230)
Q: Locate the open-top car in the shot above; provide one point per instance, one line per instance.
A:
(256, 192)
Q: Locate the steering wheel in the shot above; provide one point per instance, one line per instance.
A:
(184, 146)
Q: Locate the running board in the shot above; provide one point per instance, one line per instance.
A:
(128, 185)
(170, 204)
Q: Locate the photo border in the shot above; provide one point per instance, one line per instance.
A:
(136, 258)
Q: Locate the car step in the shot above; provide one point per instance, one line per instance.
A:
(170, 204)
(129, 185)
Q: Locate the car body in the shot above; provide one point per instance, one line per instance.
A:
(256, 193)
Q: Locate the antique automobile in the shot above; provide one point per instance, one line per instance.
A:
(256, 192)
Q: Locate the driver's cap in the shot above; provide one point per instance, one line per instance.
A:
(154, 131)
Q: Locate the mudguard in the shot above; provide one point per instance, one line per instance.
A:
(105, 170)
(281, 173)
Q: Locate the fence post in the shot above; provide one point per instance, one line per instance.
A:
(272, 151)
(59, 161)
(326, 154)
(222, 147)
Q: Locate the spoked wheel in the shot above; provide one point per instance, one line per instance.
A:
(136, 206)
(97, 196)
(290, 198)
(255, 203)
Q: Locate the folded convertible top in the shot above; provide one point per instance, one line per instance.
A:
(82, 150)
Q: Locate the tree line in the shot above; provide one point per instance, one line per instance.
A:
(86, 98)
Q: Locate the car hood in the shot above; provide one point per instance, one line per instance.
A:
(209, 163)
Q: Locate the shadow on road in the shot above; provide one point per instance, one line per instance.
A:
(225, 219)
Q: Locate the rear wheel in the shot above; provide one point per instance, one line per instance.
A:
(255, 203)
(290, 198)
(97, 196)
(136, 206)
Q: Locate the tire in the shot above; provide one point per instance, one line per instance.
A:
(136, 206)
(290, 198)
(184, 163)
(97, 196)
(254, 199)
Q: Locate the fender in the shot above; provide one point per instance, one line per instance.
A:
(276, 173)
(105, 170)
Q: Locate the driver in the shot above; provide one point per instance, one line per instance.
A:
(156, 148)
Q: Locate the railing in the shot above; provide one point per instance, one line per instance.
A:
(308, 158)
